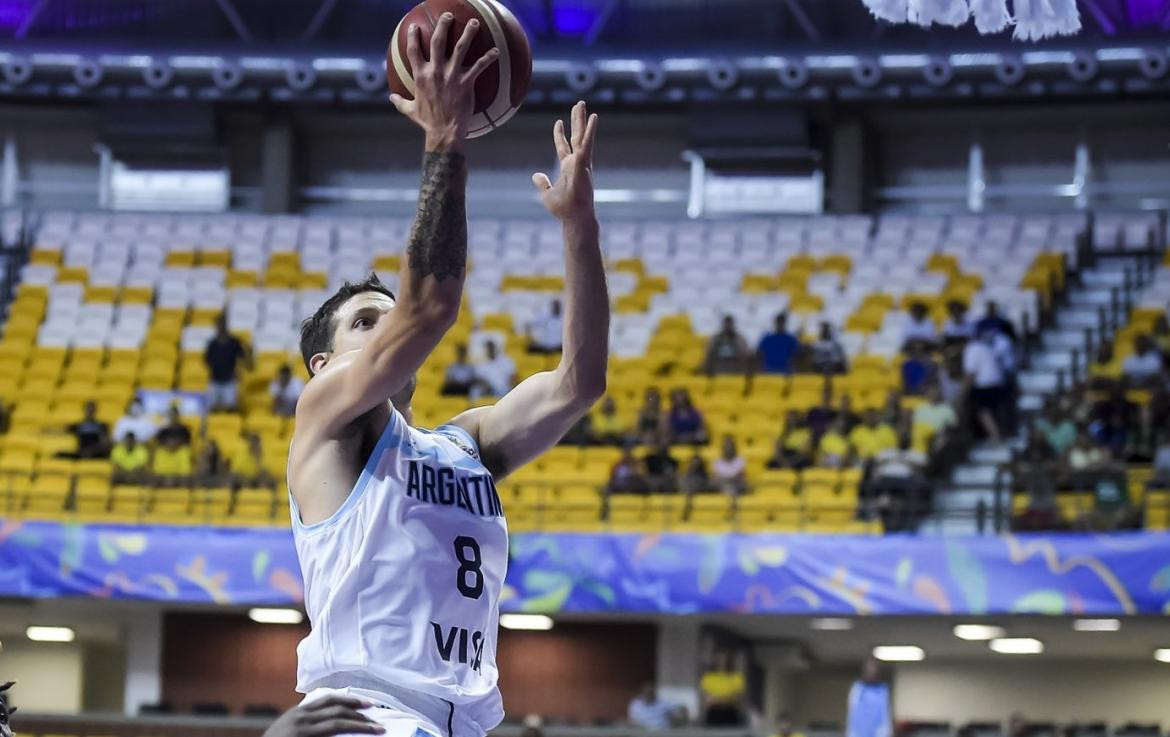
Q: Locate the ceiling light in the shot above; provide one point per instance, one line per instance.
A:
(978, 631)
(831, 624)
(526, 622)
(1162, 655)
(50, 634)
(276, 616)
(898, 653)
(1096, 625)
(1017, 646)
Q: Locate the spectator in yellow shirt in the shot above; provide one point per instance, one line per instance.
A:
(833, 450)
(873, 436)
(722, 690)
(130, 460)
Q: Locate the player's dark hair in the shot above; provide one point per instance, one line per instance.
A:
(317, 331)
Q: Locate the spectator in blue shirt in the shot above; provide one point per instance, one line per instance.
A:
(649, 712)
(995, 322)
(869, 705)
(778, 349)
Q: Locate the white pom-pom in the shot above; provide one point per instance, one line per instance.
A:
(948, 12)
(991, 16)
(894, 11)
(1037, 19)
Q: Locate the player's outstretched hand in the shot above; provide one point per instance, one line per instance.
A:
(571, 196)
(444, 90)
(326, 717)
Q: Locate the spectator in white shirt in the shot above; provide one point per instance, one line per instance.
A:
(545, 334)
(649, 712)
(1145, 363)
(460, 375)
(957, 328)
(919, 328)
(986, 380)
(495, 376)
(285, 390)
(135, 422)
(728, 472)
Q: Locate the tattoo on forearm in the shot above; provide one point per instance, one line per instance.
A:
(438, 240)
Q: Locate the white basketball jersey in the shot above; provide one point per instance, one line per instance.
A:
(402, 583)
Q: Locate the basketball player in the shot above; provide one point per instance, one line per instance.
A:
(399, 530)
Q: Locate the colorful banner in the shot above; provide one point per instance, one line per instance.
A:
(670, 573)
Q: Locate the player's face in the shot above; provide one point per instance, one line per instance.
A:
(357, 318)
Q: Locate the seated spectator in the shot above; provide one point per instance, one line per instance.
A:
(729, 471)
(919, 329)
(957, 329)
(833, 449)
(918, 370)
(872, 436)
(778, 349)
(1058, 431)
(174, 428)
(546, 333)
(722, 692)
(246, 465)
(696, 479)
(1085, 455)
(794, 446)
(92, 435)
(826, 354)
(285, 390)
(223, 356)
(1112, 434)
(651, 420)
(608, 428)
(649, 712)
(130, 460)
(684, 421)
(171, 464)
(1144, 365)
(495, 375)
(661, 467)
(135, 421)
(897, 488)
(460, 375)
(727, 351)
(933, 418)
(785, 728)
(626, 476)
(996, 323)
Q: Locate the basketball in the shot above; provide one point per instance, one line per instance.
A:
(501, 88)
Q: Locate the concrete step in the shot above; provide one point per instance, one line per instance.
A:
(1058, 339)
(1037, 382)
(973, 475)
(1078, 319)
(1053, 360)
(1092, 297)
(985, 454)
(1105, 275)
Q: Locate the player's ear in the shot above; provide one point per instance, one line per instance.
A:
(318, 361)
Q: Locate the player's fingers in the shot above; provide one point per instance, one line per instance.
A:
(541, 181)
(578, 126)
(480, 65)
(343, 726)
(338, 711)
(464, 43)
(414, 48)
(403, 105)
(590, 135)
(559, 140)
(439, 38)
(332, 700)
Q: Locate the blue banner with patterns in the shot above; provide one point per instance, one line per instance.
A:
(676, 573)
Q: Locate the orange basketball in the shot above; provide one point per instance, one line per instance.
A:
(501, 88)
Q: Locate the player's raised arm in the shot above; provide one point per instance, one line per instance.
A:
(538, 412)
(433, 271)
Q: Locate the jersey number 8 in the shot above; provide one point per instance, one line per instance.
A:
(469, 579)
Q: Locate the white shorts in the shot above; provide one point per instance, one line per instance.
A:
(441, 718)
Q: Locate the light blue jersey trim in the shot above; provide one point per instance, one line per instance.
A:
(461, 433)
(390, 436)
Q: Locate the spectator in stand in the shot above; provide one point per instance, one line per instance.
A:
(626, 476)
(918, 370)
(794, 446)
(820, 417)
(869, 705)
(1112, 434)
(727, 351)
(957, 329)
(546, 333)
(135, 421)
(932, 419)
(833, 450)
(285, 390)
(651, 420)
(722, 691)
(246, 465)
(459, 377)
(778, 349)
(210, 465)
(92, 435)
(130, 460)
(223, 356)
(696, 479)
(650, 712)
(1085, 454)
(171, 464)
(661, 467)
(872, 436)
(684, 421)
(995, 322)
(1143, 367)
(785, 728)
(608, 428)
(495, 375)
(826, 354)
(1057, 430)
(919, 329)
(729, 471)
(897, 487)
(986, 382)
